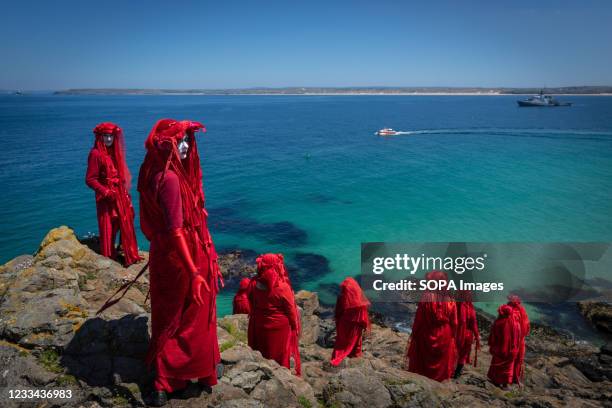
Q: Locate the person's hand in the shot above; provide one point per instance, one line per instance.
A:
(108, 193)
(197, 285)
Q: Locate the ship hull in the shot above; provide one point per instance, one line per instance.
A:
(528, 104)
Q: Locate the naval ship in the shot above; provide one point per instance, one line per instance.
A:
(542, 100)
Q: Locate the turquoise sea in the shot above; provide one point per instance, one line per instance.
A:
(306, 176)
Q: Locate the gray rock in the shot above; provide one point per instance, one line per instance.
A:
(599, 314)
(353, 387)
(310, 329)
(308, 301)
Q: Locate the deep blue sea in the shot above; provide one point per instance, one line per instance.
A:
(306, 176)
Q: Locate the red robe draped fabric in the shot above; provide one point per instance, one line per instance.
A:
(274, 326)
(504, 345)
(432, 351)
(184, 335)
(351, 321)
(241, 299)
(467, 329)
(519, 313)
(108, 175)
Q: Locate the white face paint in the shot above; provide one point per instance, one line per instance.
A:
(108, 139)
(183, 147)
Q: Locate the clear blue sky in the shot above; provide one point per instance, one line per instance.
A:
(222, 44)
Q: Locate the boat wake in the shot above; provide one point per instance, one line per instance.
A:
(536, 133)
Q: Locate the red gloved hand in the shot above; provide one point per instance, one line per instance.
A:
(197, 284)
(180, 243)
(108, 193)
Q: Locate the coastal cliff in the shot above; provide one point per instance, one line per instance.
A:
(51, 338)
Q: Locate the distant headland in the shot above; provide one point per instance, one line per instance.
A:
(569, 90)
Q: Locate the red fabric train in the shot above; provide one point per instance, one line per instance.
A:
(274, 326)
(351, 321)
(108, 175)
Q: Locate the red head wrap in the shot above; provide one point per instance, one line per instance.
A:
(504, 310)
(514, 300)
(439, 295)
(244, 285)
(116, 152)
(162, 155)
(271, 269)
(351, 294)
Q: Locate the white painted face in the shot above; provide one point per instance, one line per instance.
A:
(108, 139)
(183, 147)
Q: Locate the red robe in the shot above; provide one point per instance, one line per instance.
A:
(273, 321)
(467, 331)
(241, 299)
(184, 335)
(504, 345)
(520, 315)
(432, 351)
(108, 175)
(351, 321)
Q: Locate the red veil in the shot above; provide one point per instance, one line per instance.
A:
(351, 297)
(114, 158)
(274, 322)
(467, 329)
(241, 299)
(162, 155)
(351, 321)
(504, 346)
(432, 350)
(117, 150)
(520, 314)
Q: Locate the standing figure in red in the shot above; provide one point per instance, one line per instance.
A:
(184, 273)
(351, 321)
(520, 314)
(274, 326)
(108, 175)
(467, 331)
(241, 299)
(432, 351)
(504, 345)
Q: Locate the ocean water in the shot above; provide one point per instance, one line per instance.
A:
(306, 176)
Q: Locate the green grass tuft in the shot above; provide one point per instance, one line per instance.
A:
(50, 360)
(66, 380)
(304, 402)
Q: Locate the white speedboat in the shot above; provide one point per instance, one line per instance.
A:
(386, 132)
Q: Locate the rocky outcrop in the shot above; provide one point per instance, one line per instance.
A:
(599, 314)
(50, 337)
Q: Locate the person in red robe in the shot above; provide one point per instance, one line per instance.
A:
(504, 345)
(467, 331)
(108, 175)
(241, 299)
(184, 274)
(432, 351)
(274, 326)
(351, 321)
(520, 314)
